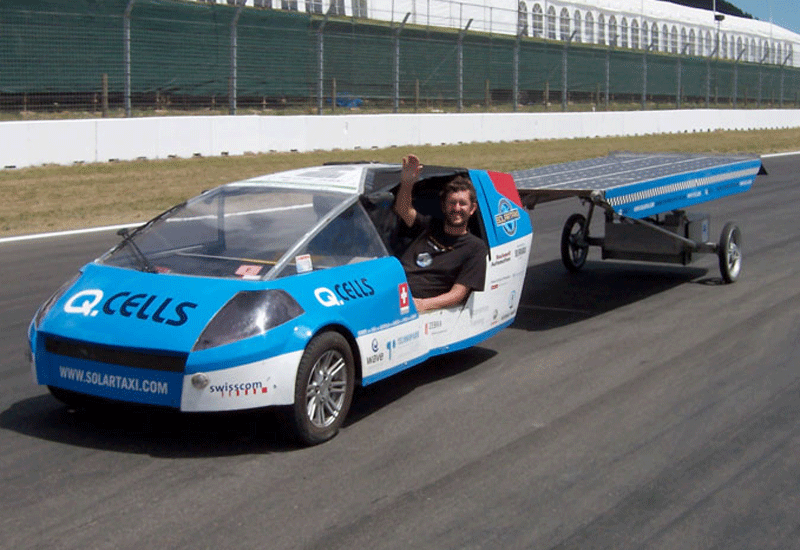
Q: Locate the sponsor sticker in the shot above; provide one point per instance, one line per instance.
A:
(146, 307)
(303, 263)
(405, 298)
(344, 292)
(377, 355)
(507, 216)
(239, 389)
(247, 271)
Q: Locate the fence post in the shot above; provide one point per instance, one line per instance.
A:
(761, 78)
(708, 76)
(104, 94)
(644, 75)
(126, 46)
(321, 65)
(515, 73)
(608, 75)
(736, 77)
(396, 86)
(461, 34)
(564, 71)
(783, 65)
(234, 56)
(680, 76)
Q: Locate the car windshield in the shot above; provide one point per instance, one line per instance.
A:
(243, 231)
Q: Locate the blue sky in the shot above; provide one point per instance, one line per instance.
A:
(785, 13)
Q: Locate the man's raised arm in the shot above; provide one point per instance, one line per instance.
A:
(408, 177)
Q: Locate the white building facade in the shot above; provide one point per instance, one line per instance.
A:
(654, 25)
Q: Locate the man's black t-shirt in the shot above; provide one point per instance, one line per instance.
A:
(435, 261)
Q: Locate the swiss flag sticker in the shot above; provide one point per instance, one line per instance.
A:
(405, 297)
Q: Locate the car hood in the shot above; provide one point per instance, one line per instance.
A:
(132, 309)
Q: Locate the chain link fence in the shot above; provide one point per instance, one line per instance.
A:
(146, 57)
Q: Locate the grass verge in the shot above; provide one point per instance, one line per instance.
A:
(53, 198)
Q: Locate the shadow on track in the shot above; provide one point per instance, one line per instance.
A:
(553, 297)
(166, 433)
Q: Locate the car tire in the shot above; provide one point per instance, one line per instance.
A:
(574, 247)
(323, 389)
(730, 252)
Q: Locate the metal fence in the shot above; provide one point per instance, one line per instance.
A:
(141, 57)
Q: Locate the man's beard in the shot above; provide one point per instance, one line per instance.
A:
(454, 220)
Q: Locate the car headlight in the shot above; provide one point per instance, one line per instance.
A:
(249, 313)
(48, 304)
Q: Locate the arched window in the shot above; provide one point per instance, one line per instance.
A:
(624, 32)
(576, 19)
(589, 26)
(551, 23)
(289, 5)
(753, 50)
(359, 9)
(700, 43)
(563, 24)
(645, 35)
(601, 29)
(538, 21)
(778, 55)
(664, 38)
(613, 34)
(654, 37)
(635, 34)
(522, 19)
(337, 7)
(709, 44)
(674, 39)
(790, 55)
(683, 46)
(724, 46)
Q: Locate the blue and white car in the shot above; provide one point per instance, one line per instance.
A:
(281, 290)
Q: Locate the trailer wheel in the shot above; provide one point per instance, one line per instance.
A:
(730, 252)
(574, 247)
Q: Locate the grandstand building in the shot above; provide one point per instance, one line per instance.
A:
(654, 25)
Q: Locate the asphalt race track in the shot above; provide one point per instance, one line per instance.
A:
(629, 406)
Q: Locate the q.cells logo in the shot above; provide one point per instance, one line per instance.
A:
(507, 216)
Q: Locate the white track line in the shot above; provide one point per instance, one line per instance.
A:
(57, 234)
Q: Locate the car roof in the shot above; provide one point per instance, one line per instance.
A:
(349, 178)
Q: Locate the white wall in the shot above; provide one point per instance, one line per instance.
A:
(73, 141)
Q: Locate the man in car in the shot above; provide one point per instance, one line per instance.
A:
(445, 262)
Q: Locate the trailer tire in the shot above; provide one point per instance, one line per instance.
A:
(730, 252)
(574, 245)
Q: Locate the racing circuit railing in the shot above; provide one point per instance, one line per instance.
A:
(145, 57)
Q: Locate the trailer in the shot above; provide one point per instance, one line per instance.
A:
(644, 197)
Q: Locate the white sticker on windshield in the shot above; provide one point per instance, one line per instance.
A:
(303, 263)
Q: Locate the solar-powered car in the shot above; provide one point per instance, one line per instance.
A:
(282, 290)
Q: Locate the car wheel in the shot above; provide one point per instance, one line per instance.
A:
(730, 252)
(574, 247)
(323, 388)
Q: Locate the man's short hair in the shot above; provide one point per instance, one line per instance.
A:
(457, 184)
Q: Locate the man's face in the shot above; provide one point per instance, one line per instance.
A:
(458, 208)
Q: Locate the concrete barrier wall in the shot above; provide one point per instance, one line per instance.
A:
(85, 141)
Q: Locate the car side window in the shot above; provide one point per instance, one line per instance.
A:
(348, 238)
